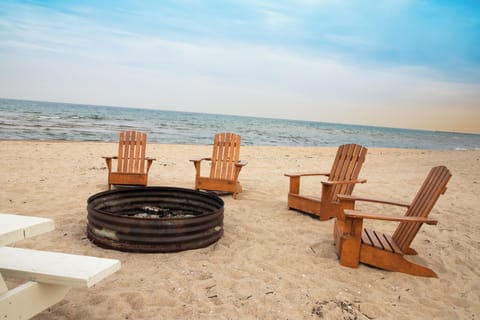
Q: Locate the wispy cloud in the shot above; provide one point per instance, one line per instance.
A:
(403, 33)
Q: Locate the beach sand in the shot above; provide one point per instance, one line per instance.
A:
(271, 263)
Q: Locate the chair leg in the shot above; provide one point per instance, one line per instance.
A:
(411, 251)
(393, 262)
(238, 189)
(294, 185)
(328, 209)
(349, 242)
(415, 269)
(197, 183)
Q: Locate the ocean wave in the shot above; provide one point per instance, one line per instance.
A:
(44, 121)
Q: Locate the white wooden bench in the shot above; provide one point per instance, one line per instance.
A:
(50, 275)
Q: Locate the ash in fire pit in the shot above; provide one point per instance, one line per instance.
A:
(154, 219)
(154, 212)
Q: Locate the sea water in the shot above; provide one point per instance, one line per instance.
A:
(34, 120)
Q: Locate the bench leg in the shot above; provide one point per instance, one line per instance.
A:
(37, 296)
(3, 286)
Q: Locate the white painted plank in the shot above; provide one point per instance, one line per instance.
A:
(16, 227)
(55, 268)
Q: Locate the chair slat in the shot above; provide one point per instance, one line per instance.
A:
(136, 156)
(224, 163)
(337, 165)
(214, 156)
(238, 141)
(121, 145)
(337, 168)
(373, 240)
(143, 147)
(231, 157)
(379, 240)
(126, 151)
(386, 242)
(221, 151)
(365, 238)
(393, 245)
(131, 155)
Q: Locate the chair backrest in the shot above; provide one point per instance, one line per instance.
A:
(346, 166)
(434, 185)
(226, 152)
(131, 152)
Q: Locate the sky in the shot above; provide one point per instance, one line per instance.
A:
(392, 63)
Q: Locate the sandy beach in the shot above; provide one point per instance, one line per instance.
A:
(271, 263)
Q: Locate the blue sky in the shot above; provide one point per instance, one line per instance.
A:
(413, 64)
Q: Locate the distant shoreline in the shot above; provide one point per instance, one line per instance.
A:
(114, 143)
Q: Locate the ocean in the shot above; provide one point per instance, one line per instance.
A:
(35, 120)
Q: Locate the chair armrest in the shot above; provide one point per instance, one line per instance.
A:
(241, 163)
(200, 159)
(116, 157)
(302, 174)
(149, 162)
(108, 161)
(354, 214)
(344, 182)
(198, 163)
(355, 198)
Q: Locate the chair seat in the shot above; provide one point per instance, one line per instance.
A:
(380, 240)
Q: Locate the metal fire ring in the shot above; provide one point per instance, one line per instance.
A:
(154, 219)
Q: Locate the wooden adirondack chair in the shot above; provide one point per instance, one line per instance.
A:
(132, 165)
(225, 165)
(341, 180)
(354, 244)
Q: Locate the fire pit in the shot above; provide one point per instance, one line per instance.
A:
(154, 219)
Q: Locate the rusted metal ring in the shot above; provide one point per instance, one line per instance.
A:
(112, 223)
